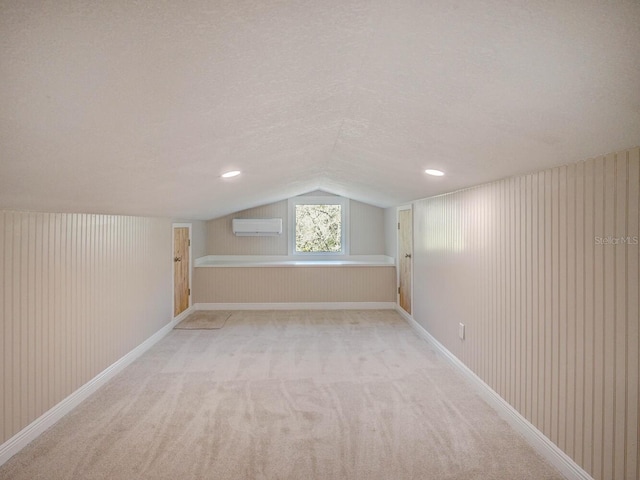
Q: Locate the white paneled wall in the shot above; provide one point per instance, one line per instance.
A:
(543, 270)
(77, 293)
(294, 284)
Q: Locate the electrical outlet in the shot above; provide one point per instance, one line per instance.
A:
(461, 331)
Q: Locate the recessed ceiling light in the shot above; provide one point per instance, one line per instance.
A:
(435, 173)
(232, 173)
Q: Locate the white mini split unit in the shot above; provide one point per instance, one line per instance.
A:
(259, 227)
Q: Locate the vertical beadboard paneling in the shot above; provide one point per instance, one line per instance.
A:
(4, 334)
(631, 281)
(578, 299)
(608, 318)
(294, 284)
(78, 292)
(619, 367)
(527, 344)
(568, 427)
(598, 321)
(589, 298)
(547, 265)
(562, 320)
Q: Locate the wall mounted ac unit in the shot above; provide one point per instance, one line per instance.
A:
(256, 227)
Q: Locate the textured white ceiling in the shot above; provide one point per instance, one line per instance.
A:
(138, 107)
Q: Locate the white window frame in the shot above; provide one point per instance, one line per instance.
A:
(319, 200)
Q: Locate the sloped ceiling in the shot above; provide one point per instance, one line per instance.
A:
(138, 107)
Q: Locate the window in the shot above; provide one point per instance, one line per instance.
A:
(318, 225)
(319, 228)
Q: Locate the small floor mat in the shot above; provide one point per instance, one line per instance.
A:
(204, 321)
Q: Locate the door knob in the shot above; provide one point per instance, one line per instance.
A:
(407, 255)
(177, 259)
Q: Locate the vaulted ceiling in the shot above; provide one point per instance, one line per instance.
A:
(138, 107)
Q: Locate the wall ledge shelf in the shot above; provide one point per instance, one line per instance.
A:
(295, 261)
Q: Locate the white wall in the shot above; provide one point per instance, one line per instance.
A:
(78, 292)
(551, 310)
(391, 231)
(367, 229)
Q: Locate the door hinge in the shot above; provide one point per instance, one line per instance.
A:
(189, 291)
(398, 290)
(189, 242)
(398, 225)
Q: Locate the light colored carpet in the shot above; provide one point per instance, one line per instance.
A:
(285, 395)
(204, 320)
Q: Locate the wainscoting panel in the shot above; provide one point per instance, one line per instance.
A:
(296, 284)
(543, 271)
(77, 293)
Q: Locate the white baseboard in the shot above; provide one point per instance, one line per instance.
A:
(297, 306)
(25, 436)
(545, 447)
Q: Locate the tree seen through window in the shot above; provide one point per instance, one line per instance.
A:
(318, 228)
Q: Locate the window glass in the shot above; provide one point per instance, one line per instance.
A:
(318, 225)
(318, 228)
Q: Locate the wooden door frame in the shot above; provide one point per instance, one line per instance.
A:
(398, 209)
(173, 246)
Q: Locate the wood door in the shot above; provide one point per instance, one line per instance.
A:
(181, 288)
(405, 260)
